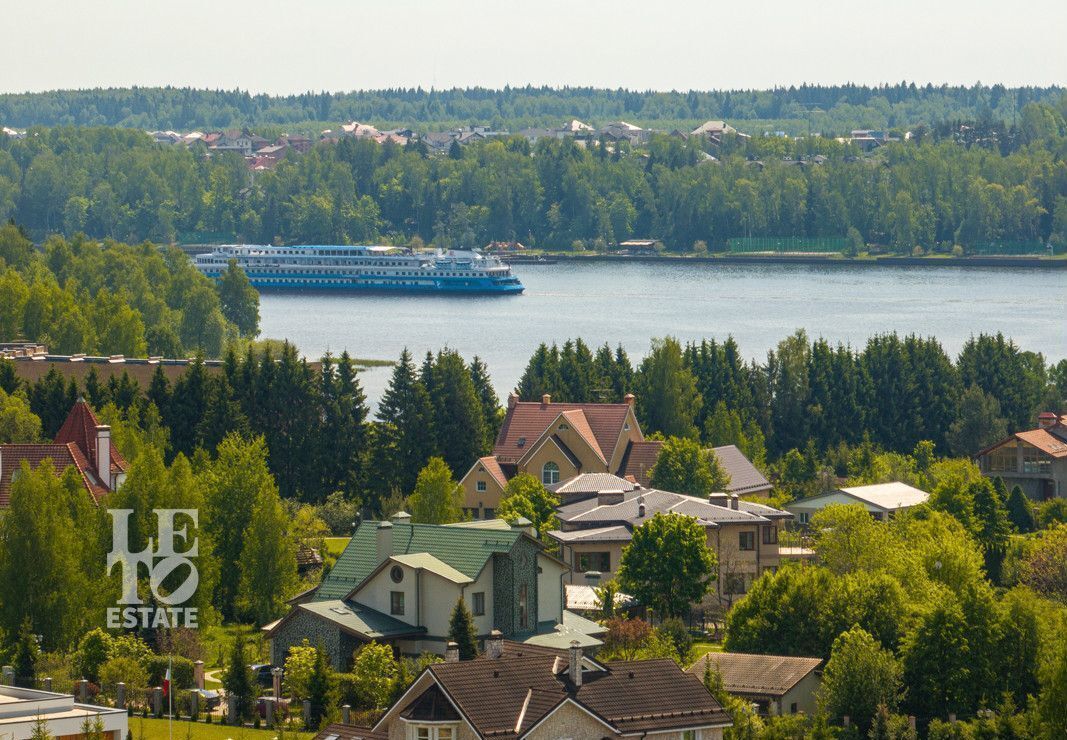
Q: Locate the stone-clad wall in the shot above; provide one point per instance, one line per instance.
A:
(338, 646)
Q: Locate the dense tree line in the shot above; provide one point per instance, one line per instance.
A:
(934, 191)
(840, 107)
(895, 392)
(80, 295)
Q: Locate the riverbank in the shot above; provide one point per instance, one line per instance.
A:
(1046, 263)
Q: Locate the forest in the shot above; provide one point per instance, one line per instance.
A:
(831, 109)
(949, 189)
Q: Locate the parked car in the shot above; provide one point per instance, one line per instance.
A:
(262, 672)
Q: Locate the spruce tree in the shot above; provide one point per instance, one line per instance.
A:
(405, 432)
(237, 678)
(491, 413)
(95, 393)
(319, 693)
(1020, 511)
(459, 421)
(461, 630)
(25, 658)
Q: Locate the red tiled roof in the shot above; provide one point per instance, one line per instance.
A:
(528, 420)
(80, 428)
(62, 457)
(493, 468)
(639, 459)
(576, 418)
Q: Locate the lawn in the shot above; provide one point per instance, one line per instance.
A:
(156, 729)
(336, 545)
(700, 648)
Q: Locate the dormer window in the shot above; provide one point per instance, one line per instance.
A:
(521, 442)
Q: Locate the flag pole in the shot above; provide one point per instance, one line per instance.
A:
(170, 697)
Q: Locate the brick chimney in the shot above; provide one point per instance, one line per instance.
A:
(629, 399)
(384, 540)
(103, 454)
(719, 499)
(734, 498)
(494, 645)
(574, 664)
(513, 398)
(1047, 419)
(546, 399)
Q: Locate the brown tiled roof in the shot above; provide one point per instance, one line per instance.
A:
(349, 732)
(1045, 441)
(504, 698)
(639, 459)
(576, 418)
(528, 420)
(757, 675)
(80, 428)
(62, 457)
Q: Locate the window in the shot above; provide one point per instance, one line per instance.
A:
(734, 583)
(793, 708)
(396, 573)
(588, 561)
(480, 486)
(1036, 461)
(478, 603)
(550, 473)
(770, 535)
(804, 517)
(524, 612)
(434, 733)
(563, 427)
(396, 602)
(1003, 459)
(490, 513)
(746, 540)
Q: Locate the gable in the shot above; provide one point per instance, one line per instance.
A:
(526, 422)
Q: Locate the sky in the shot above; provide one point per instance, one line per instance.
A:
(338, 45)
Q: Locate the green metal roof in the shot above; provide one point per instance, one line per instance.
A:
(359, 619)
(467, 549)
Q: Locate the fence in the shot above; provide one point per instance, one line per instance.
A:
(788, 244)
(1011, 248)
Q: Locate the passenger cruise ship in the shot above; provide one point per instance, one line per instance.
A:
(368, 268)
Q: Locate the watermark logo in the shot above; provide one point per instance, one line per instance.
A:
(160, 562)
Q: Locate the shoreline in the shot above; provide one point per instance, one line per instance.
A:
(1044, 263)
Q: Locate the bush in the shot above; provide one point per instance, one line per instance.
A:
(917, 251)
(675, 631)
(181, 675)
(957, 251)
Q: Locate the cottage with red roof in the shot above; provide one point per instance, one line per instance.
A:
(82, 443)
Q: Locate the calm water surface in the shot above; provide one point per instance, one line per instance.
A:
(629, 303)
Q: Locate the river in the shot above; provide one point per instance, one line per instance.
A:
(629, 303)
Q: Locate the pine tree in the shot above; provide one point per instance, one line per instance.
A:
(26, 654)
(461, 630)
(48, 399)
(459, 420)
(186, 407)
(40, 730)
(158, 390)
(95, 393)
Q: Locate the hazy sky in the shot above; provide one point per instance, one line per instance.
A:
(291, 46)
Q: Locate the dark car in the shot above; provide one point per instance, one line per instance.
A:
(262, 673)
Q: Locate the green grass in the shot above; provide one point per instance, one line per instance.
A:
(156, 729)
(218, 642)
(701, 648)
(336, 545)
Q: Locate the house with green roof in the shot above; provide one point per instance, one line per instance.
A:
(397, 582)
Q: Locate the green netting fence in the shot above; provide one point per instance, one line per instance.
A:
(1013, 248)
(787, 244)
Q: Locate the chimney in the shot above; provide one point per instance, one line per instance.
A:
(719, 499)
(629, 399)
(733, 501)
(384, 540)
(641, 507)
(574, 664)
(592, 577)
(546, 399)
(494, 646)
(1047, 419)
(451, 652)
(103, 454)
(401, 517)
(513, 399)
(609, 498)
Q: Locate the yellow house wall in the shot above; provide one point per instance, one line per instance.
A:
(546, 453)
(570, 556)
(480, 500)
(570, 721)
(550, 589)
(633, 434)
